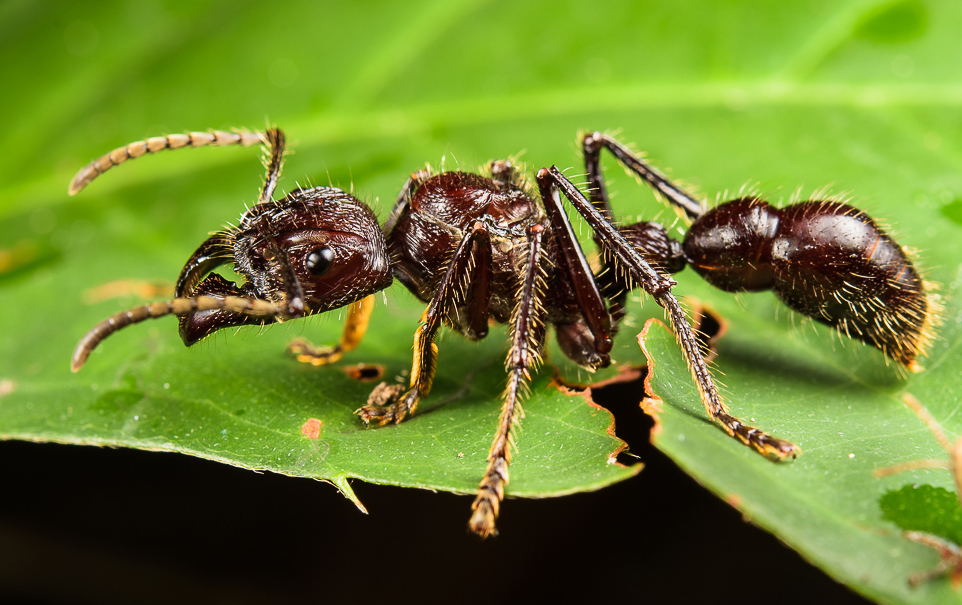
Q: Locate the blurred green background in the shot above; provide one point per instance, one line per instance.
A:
(862, 96)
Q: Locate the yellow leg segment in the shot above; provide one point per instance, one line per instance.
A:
(358, 317)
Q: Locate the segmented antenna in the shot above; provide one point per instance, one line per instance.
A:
(155, 144)
(177, 306)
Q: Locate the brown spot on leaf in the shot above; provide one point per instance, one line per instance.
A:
(312, 428)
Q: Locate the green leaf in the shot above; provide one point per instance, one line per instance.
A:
(864, 97)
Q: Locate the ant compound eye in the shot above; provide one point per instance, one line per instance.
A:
(320, 261)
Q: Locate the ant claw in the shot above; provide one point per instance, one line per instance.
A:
(383, 405)
(777, 449)
(760, 441)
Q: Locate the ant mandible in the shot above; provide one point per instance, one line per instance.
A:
(477, 248)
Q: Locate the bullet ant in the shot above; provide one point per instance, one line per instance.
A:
(477, 248)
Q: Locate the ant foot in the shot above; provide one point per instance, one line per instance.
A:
(487, 503)
(385, 405)
(773, 448)
(305, 352)
(760, 441)
(482, 520)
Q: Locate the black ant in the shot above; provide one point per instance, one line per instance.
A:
(478, 248)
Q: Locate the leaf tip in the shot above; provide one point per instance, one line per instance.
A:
(343, 485)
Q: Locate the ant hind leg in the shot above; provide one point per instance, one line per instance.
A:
(592, 144)
(659, 287)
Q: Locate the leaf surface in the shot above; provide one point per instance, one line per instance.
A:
(861, 97)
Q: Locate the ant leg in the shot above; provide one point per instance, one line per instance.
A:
(154, 144)
(575, 265)
(591, 145)
(358, 316)
(659, 287)
(527, 340)
(476, 292)
(425, 351)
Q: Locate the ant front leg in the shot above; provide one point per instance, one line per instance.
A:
(527, 340)
(358, 317)
(659, 287)
(425, 351)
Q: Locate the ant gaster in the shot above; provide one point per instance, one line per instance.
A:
(477, 248)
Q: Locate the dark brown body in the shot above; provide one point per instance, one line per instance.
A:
(437, 217)
(480, 248)
(824, 259)
(441, 212)
(304, 221)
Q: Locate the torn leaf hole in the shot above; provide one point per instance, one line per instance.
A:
(365, 372)
(632, 425)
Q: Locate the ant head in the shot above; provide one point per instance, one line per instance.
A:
(316, 250)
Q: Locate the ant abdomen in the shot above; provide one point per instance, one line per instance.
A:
(824, 259)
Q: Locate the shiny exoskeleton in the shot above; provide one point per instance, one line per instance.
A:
(824, 259)
(477, 248)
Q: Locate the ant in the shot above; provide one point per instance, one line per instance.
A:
(483, 247)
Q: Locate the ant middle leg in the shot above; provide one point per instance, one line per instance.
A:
(527, 341)
(659, 287)
(424, 365)
(663, 253)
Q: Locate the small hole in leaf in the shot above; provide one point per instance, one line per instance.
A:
(365, 372)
